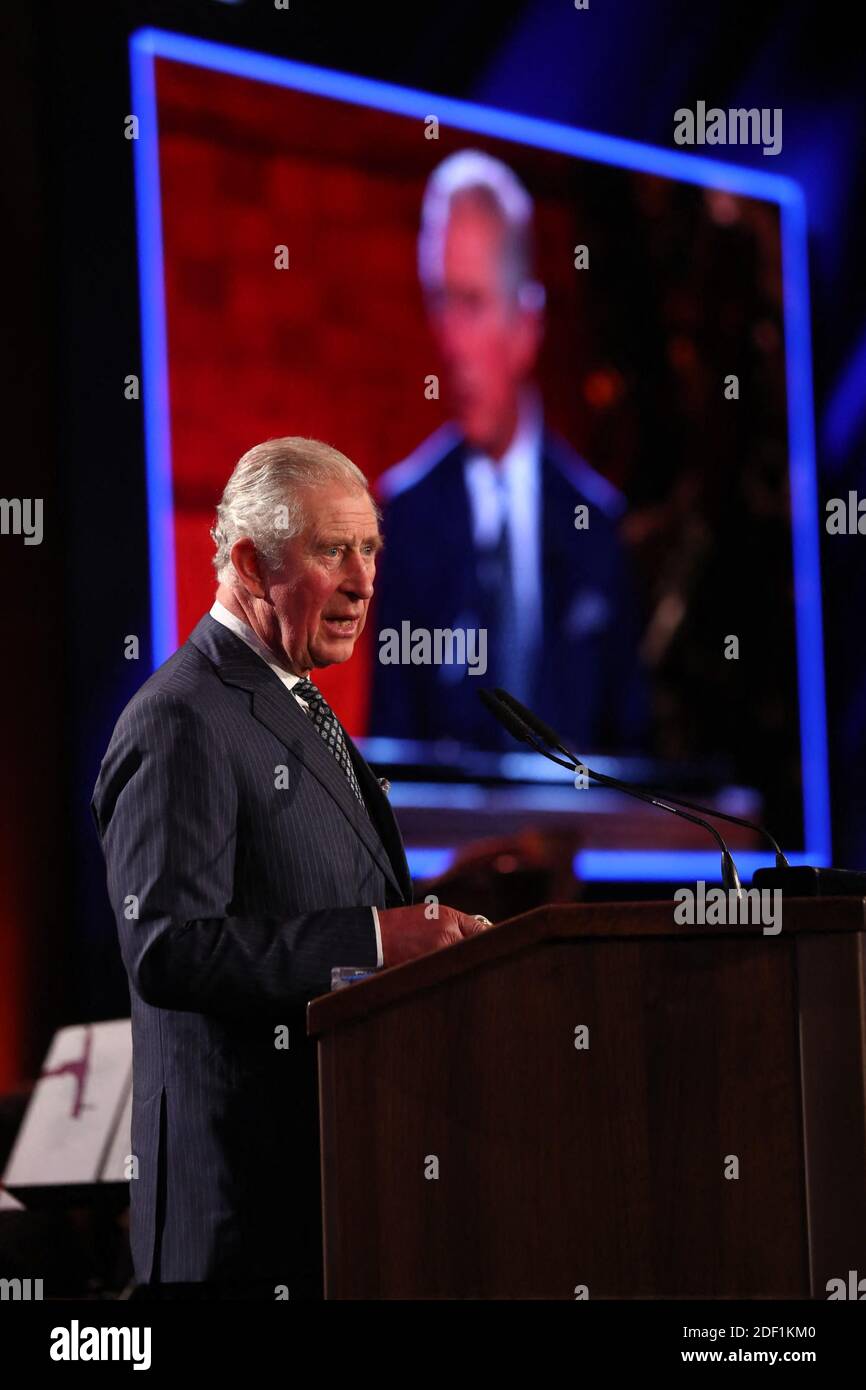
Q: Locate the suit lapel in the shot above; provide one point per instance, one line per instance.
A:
(380, 810)
(278, 711)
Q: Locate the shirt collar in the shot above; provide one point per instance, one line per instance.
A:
(523, 451)
(243, 630)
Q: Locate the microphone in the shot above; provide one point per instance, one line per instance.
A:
(512, 720)
(550, 737)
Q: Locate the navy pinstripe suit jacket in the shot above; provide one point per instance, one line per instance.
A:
(234, 897)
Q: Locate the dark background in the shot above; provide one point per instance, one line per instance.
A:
(72, 336)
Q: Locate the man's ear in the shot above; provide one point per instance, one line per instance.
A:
(530, 337)
(248, 567)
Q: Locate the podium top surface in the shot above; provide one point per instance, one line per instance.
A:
(559, 922)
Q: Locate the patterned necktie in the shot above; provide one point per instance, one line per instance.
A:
(328, 725)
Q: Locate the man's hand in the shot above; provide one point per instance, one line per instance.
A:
(408, 931)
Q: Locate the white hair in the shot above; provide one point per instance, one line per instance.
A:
(262, 499)
(471, 175)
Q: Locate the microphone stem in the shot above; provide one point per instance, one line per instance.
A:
(604, 781)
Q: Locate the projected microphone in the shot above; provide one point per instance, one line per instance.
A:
(511, 720)
(551, 737)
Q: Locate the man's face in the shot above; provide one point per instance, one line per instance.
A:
(487, 342)
(322, 591)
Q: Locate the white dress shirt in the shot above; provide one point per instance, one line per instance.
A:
(252, 639)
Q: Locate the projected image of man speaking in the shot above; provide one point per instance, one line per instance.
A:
(494, 523)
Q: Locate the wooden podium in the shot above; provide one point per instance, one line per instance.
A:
(471, 1150)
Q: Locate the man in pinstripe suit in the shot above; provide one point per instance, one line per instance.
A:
(250, 849)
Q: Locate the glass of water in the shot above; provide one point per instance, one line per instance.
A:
(343, 975)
